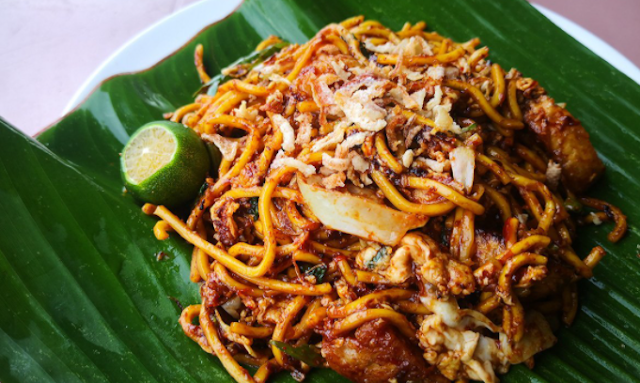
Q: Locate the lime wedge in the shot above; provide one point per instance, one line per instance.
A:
(164, 163)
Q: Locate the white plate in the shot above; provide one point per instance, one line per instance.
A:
(167, 35)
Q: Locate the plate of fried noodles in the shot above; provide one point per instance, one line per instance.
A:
(411, 209)
(389, 198)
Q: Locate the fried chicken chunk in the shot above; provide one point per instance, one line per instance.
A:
(376, 353)
(567, 142)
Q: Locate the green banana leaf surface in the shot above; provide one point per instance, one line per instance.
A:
(83, 297)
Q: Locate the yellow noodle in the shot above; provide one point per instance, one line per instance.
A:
(271, 40)
(186, 321)
(356, 319)
(283, 325)
(386, 155)
(233, 284)
(346, 271)
(180, 112)
(394, 196)
(337, 41)
(423, 60)
(477, 95)
(516, 113)
(290, 288)
(365, 301)
(204, 77)
(235, 370)
(512, 265)
(161, 230)
(497, 75)
(445, 191)
(500, 201)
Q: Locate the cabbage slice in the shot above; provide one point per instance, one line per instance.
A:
(357, 215)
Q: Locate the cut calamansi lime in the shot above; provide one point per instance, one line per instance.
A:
(164, 163)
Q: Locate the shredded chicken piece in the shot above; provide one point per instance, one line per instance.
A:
(418, 97)
(436, 99)
(444, 121)
(411, 134)
(357, 104)
(355, 139)
(402, 97)
(243, 112)
(436, 72)
(322, 94)
(274, 103)
(358, 162)
(338, 67)
(407, 158)
(333, 138)
(412, 75)
(305, 129)
(333, 163)
(376, 353)
(288, 135)
(335, 180)
(282, 160)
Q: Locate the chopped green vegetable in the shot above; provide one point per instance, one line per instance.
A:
(203, 188)
(365, 52)
(254, 210)
(573, 205)
(317, 271)
(249, 62)
(444, 238)
(383, 252)
(469, 128)
(304, 353)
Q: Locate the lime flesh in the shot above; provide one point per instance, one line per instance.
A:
(164, 163)
(152, 149)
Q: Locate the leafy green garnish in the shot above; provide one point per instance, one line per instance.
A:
(383, 252)
(317, 271)
(204, 187)
(444, 238)
(249, 62)
(365, 52)
(573, 205)
(304, 353)
(469, 128)
(254, 210)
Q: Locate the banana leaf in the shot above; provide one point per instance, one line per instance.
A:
(84, 298)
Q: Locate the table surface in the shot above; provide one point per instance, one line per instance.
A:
(52, 46)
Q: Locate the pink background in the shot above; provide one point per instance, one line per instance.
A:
(49, 47)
